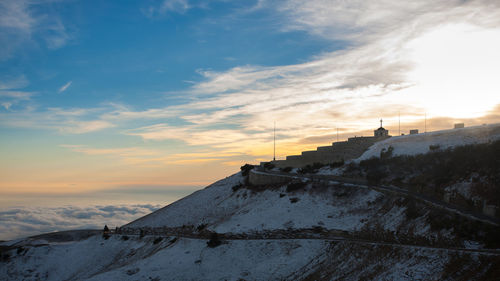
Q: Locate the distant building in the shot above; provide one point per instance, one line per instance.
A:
(381, 132)
(414, 132)
(337, 152)
(459, 125)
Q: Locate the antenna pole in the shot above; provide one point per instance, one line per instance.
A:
(425, 123)
(274, 148)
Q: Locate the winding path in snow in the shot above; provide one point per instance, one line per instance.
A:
(387, 189)
(306, 234)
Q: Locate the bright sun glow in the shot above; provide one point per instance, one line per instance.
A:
(457, 70)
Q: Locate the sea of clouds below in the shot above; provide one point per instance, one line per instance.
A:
(18, 222)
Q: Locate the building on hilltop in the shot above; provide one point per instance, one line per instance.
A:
(338, 151)
(381, 132)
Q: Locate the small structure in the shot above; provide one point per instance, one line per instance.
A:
(381, 132)
(414, 132)
(459, 125)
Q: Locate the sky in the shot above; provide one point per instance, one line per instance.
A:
(143, 102)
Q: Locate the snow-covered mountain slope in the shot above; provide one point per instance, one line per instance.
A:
(192, 209)
(339, 207)
(421, 143)
(363, 234)
(190, 259)
(164, 257)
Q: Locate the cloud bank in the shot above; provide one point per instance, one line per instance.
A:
(26, 221)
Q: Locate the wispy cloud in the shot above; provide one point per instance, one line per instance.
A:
(351, 89)
(18, 82)
(19, 95)
(127, 154)
(10, 98)
(66, 121)
(179, 6)
(9, 91)
(56, 35)
(16, 15)
(81, 127)
(6, 105)
(362, 21)
(65, 87)
(167, 6)
(22, 23)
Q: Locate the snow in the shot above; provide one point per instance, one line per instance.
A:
(197, 208)
(395, 217)
(469, 244)
(331, 171)
(184, 259)
(310, 210)
(190, 259)
(462, 188)
(420, 143)
(346, 207)
(339, 207)
(342, 207)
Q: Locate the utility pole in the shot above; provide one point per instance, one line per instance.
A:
(337, 134)
(399, 123)
(274, 148)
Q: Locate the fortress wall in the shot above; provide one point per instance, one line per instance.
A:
(294, 162)
(310, 153)
(256, 178)
(346, 150)
(325, 149)
(340, 144)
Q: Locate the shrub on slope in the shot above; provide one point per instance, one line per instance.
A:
(431, 173)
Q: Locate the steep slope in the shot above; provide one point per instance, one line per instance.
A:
(195, 208)
(327, 205)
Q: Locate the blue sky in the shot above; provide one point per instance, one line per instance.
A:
(139, 54)
(112, 96)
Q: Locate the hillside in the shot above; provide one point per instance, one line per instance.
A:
(422, 143)
(306, 229)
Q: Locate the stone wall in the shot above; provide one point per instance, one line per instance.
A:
(338, 151)
(257, 178)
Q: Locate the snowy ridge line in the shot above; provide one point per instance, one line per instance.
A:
(295, 234)
(180, 201)
(420, 143)
(392, 190)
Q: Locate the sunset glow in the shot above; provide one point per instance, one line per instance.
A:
(456, 67)
(183, 95)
